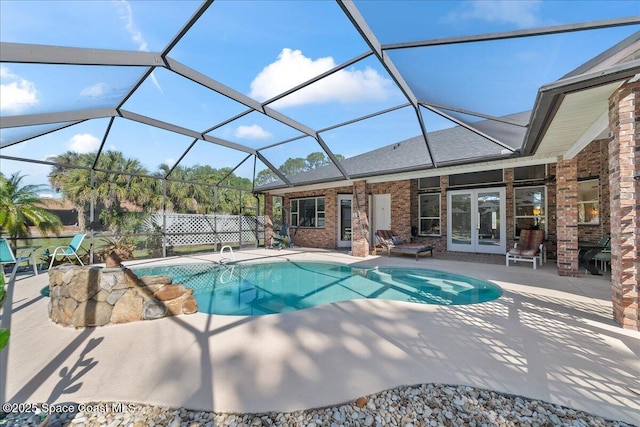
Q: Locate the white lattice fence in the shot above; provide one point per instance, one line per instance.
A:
(196, 229)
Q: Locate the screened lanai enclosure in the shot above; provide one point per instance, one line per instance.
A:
(169, 119)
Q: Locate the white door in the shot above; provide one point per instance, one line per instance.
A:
(344, 220)
(381, 212)
(476, 221)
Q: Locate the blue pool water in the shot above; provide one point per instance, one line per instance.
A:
(267, 288)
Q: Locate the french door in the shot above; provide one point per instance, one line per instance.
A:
(476, 220)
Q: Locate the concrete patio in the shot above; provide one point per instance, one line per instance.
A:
(548, 337)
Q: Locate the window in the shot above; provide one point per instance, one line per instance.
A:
(528, 173)
(429, 214)
(588, 205)
(429, 183)
(307, 212)
(474, 178)
(530, 208)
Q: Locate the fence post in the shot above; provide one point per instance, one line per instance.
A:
(240, 220)
(164, 218)
(91, 217)
(215, 218)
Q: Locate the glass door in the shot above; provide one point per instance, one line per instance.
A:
(476, 221)
(344, 220)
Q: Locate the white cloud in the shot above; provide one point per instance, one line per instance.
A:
(84, 143)
(170, 162)
(16, 93)
(292, 68)
(98, 90)
(252, 132)
(126, 14)
(523, 13)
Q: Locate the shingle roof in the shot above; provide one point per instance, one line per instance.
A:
(449, 145)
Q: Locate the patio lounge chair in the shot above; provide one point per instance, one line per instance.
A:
(68, 251)
(529, 247)
(393, 244)
(24, 253)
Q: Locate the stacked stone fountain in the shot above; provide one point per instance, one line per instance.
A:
(83, 296)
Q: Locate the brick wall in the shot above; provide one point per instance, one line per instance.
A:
(624, 167)
(401, 201)
(593, 162)
(326, 237)
(509, 206)
(567, 216)
(268, 219)
(360, 221)
(552, 217)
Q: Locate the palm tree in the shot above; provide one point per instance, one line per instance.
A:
(18, 209)
(74, 184)
(110, 189)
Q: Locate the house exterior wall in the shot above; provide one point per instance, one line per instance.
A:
(592, 162)
(401, 205)
(326, 237)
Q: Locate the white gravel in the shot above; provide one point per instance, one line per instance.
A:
(412, 406)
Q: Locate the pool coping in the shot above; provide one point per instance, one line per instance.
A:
(548, 337)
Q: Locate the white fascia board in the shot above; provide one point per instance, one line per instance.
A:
(599, 126)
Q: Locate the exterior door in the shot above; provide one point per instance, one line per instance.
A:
(476, 221)
(344, 220)
(381, 212)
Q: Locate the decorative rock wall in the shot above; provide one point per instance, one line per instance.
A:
(96, 296)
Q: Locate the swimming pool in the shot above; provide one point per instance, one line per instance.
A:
(278, 287)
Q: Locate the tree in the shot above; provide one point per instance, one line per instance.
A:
(18, 209)
(114, 190)
(74, 183)
(316, 159)
(110, 189)
(293, 166)
(265, 176)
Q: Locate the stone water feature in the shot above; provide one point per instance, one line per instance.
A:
(97, 296)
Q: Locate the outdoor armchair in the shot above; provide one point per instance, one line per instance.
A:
(529, 247)
(68, 251)
(23, 254)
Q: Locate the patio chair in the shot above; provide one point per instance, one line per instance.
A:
(393, 244)
(24, 253)
(529, 247)
(68, 251)
(604, 256)
(590, 251)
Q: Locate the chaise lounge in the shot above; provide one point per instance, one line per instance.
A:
(391, 243)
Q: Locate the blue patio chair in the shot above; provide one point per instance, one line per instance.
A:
(25, 253)
(68, 251)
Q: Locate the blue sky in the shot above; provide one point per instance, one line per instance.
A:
(262, 48)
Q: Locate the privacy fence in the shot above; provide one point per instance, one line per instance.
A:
(213, 229)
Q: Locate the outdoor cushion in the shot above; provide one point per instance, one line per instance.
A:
(387, 240)
(528, 248)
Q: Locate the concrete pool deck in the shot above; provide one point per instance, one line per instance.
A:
(548, 337)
